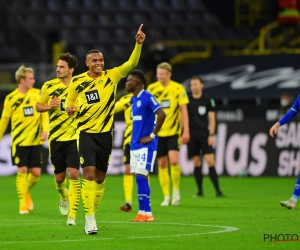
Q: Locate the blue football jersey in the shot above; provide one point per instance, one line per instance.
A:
(143, 117)
(291, 113)
(296, 105)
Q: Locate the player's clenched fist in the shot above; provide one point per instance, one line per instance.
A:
(54, 102)
(140, 35)
(71, 110)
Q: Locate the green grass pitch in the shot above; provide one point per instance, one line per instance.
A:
(239, 221)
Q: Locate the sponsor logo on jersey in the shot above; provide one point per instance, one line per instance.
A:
(92, 96)
(165, 103)
(137, 118)
(28, 111)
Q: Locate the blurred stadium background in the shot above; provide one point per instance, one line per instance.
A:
(246, 51)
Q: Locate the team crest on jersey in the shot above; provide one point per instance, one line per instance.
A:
(100, 81)
(28, 111)
(165, 103)
(201, 110)
(139, 103)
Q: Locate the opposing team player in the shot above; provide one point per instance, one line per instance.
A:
(143, 146)
(290, 203)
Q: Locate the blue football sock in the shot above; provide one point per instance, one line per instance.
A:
(142, 183)
(148, 203)
(296, 193)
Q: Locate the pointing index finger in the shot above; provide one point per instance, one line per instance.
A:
(141, 26)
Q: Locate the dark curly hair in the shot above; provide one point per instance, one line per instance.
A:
(70, 59)
(140, 75)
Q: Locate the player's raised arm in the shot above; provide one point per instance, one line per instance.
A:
(133, 61)
(140, 36)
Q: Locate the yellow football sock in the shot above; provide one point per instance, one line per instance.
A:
(88, 196)
(175, 175)
(74, 196)
(61, 188)
(164, 180)
(128, 186)
(99, 192)
(31, 181)
(21, 188)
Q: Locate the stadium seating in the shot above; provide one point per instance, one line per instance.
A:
(126, 4)
(158, 18)
(122, 19)
(33, 21)
(67, 35)
(116, 21)
(69, 20)
(87, 20)
(107, 5)
(54, 5)
(72, 5)
(178, 4)
(140, 18)
(52, 21)
(36, 5)
(160, 4)
(103, 36)
(90, 4)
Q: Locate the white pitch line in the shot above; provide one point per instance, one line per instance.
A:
(224, 229)
(59, 222)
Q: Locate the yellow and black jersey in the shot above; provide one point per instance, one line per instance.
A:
(95, 100)
(170, 98)
(124, 104)
(26, 123)
(62, 126)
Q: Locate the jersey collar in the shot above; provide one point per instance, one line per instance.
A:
(141, 92)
